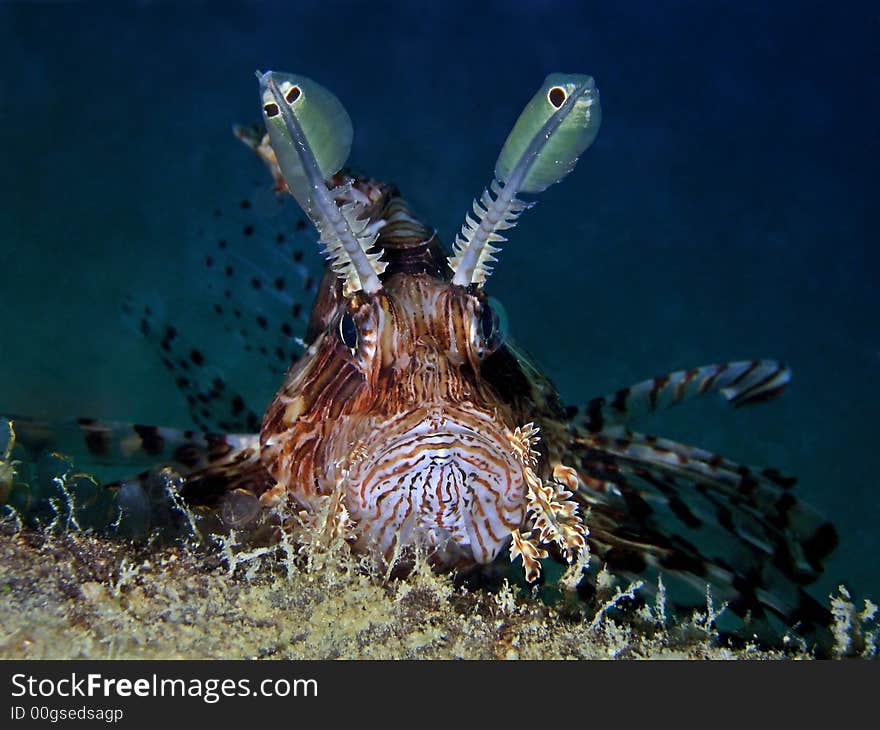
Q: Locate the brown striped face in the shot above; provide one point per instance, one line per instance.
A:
(389, 411)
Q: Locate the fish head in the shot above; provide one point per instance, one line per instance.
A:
(407, 411)
(398, 409)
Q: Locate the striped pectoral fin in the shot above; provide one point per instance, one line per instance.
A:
(114, 443)
(218, 477)
(741, 383)
(664, 507)
(221, 493)
(213, 405)
(205, 471)
(757, 505)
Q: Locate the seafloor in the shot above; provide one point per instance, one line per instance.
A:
(76, 596)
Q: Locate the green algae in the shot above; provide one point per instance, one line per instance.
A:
(74, 595)
(69, 596)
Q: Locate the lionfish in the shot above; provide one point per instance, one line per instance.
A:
(415, 423)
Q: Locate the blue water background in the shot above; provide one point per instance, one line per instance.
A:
(727, 210)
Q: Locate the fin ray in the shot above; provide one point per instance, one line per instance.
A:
(740, 383)
(663, 507)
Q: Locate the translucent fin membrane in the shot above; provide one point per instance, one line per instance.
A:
(212, 403)
(658, 505)
(554, 129)
(310, 133)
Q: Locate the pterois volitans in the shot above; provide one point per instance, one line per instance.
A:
(413, 420)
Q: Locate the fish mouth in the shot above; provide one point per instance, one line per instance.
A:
(450, 485)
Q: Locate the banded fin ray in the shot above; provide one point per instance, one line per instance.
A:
(219, 473)
(215, 474)
(117, 443)
(660, 506)
(760, 494)
(740, 383)
(255, 137)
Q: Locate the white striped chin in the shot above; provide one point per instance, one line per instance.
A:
(457, 492)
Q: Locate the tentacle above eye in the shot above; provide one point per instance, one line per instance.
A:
(554, 129)
(310, 133)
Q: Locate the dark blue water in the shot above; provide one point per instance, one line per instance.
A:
(726, 211)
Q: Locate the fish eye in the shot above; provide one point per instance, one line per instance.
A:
(489, 326)
(348, 332)
(292, 94)
(557, 96)
(487, 322)
(271, 109)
